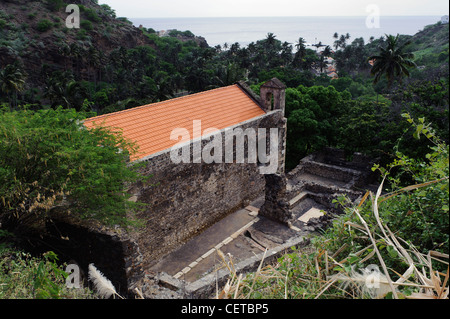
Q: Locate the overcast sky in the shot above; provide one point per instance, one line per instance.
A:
(270, 8)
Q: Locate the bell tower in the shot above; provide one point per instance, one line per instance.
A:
(273, 95)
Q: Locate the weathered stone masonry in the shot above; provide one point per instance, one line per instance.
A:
(322, 177)
(183, 199)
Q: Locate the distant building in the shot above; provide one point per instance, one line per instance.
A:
(444, 19)
(333, 75)
(331, 68)
(164, 33)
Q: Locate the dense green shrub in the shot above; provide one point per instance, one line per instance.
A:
(443, 56)
(44, 25)
(47, 158)
(86, 25)
(92, 15)
(25, 277)
(82, 34)
(422, 216)
(108, 10)
(3, 24)
(312, 114)
(55, 5)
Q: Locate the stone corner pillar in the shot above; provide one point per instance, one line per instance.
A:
(276, 205)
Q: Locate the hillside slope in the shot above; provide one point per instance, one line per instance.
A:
(109, 65)
(34, 33)
(430, 46)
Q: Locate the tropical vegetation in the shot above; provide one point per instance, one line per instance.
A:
(48, 160)
(392, 61)
(52, 78)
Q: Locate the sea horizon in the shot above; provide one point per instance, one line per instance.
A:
(244, 30)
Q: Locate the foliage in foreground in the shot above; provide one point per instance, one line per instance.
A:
(403, 234)
(25, 277)
(47, 158)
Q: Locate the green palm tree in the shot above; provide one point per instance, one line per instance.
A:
(318, 45)
(270, 39)
(322, 63)
(327, 51)
(93, 55)
(244, 58)
(228, 74)
(76, 53)
(301, 44)
(392, 61)
(299, 57)
(12, 81)
(286, 53)
(62, 89)
(65, 52)
(336, 42)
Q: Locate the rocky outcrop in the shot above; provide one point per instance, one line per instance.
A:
(201, 41)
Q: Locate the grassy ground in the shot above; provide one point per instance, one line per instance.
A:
(358, 258)
(25, 277)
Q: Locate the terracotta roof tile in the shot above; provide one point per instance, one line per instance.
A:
(150, 125)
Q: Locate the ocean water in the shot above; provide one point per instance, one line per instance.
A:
(313, 29)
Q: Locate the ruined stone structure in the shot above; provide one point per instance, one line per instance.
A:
(292, 209)
(186, 197)
(318, 180)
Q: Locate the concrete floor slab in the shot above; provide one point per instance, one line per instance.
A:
(203, 244)
(311, 213)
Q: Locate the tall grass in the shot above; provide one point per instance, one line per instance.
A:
(25, 277)
(325, 274)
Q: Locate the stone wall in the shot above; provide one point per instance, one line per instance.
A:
(115, 254)
(183, 199)
(276, 204)
(83, 242)
(323, 177)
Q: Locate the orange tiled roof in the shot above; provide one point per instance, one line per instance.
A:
(150, 125)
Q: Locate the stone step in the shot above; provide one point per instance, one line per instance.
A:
(311, 213)
(297, 199)
(253, 211)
